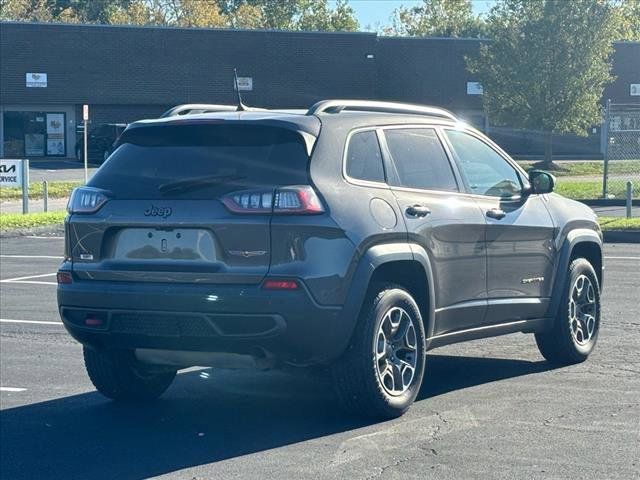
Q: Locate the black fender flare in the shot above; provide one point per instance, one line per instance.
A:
(573, 238)
(375, 257)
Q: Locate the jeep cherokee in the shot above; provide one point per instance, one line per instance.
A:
(355, 233)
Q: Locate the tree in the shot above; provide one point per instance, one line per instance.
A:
(295, 14)
(254, 14)
(316, 15)
(438, 18)
(31, 10)
(627, 14)
(546, 65)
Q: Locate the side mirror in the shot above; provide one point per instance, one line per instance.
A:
(541, 181)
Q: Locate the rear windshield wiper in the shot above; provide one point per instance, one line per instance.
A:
(196, 182)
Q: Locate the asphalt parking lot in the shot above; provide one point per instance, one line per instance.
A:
(488, 409)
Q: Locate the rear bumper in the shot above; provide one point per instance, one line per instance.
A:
(208, 318)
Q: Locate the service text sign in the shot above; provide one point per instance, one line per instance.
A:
(10, 173)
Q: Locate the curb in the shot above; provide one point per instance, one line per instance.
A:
(621, 236)
(55, 230)
(605, 202)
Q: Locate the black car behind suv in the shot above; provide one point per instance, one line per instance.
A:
(100, 141)
(355, 235)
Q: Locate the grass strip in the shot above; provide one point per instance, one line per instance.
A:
(56, 190)
(588, 169)
(619, 223)
(13, 221)
(591, 189)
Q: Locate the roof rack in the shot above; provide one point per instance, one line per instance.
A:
(336, 106)
(191, 108)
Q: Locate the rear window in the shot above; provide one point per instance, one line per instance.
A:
(241, 156)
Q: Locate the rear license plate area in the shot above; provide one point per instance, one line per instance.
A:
(176, 244)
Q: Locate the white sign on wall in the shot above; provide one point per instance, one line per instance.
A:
(245, 84)
(10, 173)
(634, 90)
(36, 80)
(474, 88)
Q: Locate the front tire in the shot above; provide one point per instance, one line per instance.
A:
(576, 327)
(381, 372)
(120, 376)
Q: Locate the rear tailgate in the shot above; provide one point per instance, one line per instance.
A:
(164, 219)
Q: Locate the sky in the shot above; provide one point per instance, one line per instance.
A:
(376, 13)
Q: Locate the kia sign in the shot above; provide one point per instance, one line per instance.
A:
(10, 173)
(15, 173)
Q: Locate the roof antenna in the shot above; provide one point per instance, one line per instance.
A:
(241, 106)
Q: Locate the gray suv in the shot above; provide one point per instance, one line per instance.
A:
(354, 236)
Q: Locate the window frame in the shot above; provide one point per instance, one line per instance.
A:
(520, 173)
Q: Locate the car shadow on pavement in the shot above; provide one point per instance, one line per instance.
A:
(205, 417)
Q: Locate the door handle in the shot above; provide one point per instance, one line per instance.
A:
(496, 213)
(418, 211)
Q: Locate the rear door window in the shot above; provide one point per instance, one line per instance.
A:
(420, 159)
(364, 159)
(228, 157)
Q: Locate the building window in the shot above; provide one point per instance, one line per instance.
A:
(34, 134)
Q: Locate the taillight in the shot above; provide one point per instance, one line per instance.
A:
(297, 200)
(86, 200)
(64, 277)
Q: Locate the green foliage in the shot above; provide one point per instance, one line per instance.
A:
(12, 221)
(627, 19)
(619, 223)
(55, 189)
(547, 63)
(269, 14)
(438, 18)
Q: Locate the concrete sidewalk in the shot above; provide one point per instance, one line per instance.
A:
(15, 206)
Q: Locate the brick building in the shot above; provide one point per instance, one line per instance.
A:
(47, 71)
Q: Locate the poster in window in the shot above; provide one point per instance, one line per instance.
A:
(34, 144)
(55, 134)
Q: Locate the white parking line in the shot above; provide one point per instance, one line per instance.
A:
(53, 257)
(621, 258)
(29, 277)
(37, 322)
(44, 238)
(12, 389)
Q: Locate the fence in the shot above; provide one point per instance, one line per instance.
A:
(621, 150)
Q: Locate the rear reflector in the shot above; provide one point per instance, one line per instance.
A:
(64, 277)
(280, 285)
(92, 321)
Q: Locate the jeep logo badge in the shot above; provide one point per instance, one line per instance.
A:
(154, 211)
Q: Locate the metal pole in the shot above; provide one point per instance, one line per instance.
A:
(606, 149)
(45, 195)
(86, 174)
(629, 197)
(25, 186)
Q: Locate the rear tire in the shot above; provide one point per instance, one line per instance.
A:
(381, 372)
(120, 376)
(576, 327)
